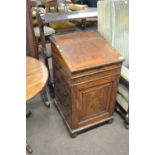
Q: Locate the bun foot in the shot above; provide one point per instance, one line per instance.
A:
(74, 135)
(110, 121)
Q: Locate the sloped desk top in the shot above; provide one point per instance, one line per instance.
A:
(84, 50)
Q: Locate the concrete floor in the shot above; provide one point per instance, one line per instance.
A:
(47, 134)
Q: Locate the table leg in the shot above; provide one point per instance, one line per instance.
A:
(45, 98)
(28, 148)
(28, 113)
(50, 83)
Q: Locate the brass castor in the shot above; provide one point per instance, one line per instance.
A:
(28, 148)
(110, 121)
(73, 135)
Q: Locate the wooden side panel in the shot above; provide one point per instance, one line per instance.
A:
(62, 92)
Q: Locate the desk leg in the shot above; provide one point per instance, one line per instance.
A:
(45, 98)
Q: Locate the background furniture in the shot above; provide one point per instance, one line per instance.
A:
(84, 22)
(90, 3)
(42, 54)
(62, 26)
(42, 6)
(50, 3)
(123, 96)
(85, 82)
(113, 23)
(52, 17)
(36, 79)
(58, 17)
(31, 44)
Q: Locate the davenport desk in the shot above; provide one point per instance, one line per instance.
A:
(86, 76)
(36, 79)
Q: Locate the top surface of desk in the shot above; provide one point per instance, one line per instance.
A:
(85, 50)
(36, 77)
(60, 16)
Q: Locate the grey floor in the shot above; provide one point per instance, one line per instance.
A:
(47, 134)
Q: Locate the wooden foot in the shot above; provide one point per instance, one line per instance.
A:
(110, 121)
(28, 148)
(74, 135)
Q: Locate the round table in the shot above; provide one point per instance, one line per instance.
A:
(36, 79)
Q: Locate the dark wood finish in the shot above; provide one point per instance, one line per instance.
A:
(31, 44)
(86, 76)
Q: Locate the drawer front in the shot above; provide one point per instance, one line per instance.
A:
(96, 100)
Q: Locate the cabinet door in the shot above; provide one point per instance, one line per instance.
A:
(96, 100)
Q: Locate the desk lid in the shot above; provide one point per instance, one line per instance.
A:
(85, 50)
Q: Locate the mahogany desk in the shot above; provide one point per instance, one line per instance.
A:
(36, 79)
(86, 73)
